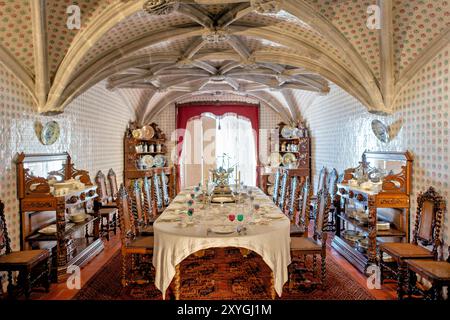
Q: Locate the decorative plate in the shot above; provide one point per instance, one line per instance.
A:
(51, 229)
(223, 229)
(287, 132)
(159, 161)
(136, 134)
(270, 190)
(148, 161)
(289, 158)
(380, 130)
(275, 159)
(147, 132)
(50, 133)
(297, 133)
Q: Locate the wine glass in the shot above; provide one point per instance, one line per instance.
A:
(231, 217)
(190, 214)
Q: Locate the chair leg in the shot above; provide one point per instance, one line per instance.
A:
(324, 271)
(10, 288)
(124, 270)
(380, 265)
(115, 223)
(400, 280)
(107, 227)
(314, 266)
(46, 276)
(26, 278)
(411, 277)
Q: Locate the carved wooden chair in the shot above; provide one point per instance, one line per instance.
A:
(283, 190)
(149, 205)
(304, 206)
(33, 265)
(315, 246)
(321, 184)
(436, 272)
(335, 199)
(106, 209)
(293, 211)
(136, 250)
(161, 191)
(142, 226)
(165, 189)
(430, 208)
(276, 186)
(113, 187)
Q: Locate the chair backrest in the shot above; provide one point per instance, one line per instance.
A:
(127, 225)
(5, 242)
(100, 181)
(148, 200)
(323, 209)
(137, 203)
(430, 209)
(332, 183)
(283, 190)
(165, 189)
(276, 186)
(158, 191)
(294, 191)
(304, 205)
(112, 179)
(322, 179)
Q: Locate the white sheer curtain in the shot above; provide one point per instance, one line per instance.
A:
(235, 137)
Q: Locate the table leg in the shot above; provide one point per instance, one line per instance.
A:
(177, 282)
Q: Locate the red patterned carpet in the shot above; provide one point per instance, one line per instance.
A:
(221, 274)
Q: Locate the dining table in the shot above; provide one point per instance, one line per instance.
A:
(264, 230)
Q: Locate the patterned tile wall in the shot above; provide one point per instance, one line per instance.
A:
(92, 129)
(341, 130)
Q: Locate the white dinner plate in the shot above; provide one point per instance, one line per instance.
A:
(51, 229)
(274, 215)
(223, 229)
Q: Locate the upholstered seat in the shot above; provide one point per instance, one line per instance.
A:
(141, 242)
(305, 244)
(28, 258)
(406, 250)
(297, 231)
(435, 270)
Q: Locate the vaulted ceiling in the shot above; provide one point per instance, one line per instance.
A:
(282, 53)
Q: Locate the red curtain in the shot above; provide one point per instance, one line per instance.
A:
(185, 112)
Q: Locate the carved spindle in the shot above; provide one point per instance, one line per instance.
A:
(177, 282)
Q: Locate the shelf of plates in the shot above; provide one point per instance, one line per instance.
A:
(374, 206)
(145, 153)
(46, 220)
(289, 150)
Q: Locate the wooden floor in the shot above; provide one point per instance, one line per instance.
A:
(61, 292)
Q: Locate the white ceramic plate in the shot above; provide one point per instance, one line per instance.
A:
(287, 132)
(137, 134)
(380, 130)
(273, 215)
(50, 133)
(289, 158)
(147, 132)
(275, 159)
(148, 160)
(51, 229)
(223, 229)
(159, 160)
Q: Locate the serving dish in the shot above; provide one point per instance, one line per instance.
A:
(50, 133)
(289, 158)
(49, 230)
(148, 161)
(381, 131)
(287, 132)
(147, 132)
(382, 225)
(275, 159)
(352, 235)
(78, 217)
(159, 161)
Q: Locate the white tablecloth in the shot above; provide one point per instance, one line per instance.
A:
(173, 242)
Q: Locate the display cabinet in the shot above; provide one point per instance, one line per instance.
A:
(145, 155)
(375, 206)
(52, 193)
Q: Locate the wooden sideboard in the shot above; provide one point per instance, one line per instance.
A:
(73, 243)
(387, 202)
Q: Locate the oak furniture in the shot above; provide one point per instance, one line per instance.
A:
(73, 243)
(33, 266)
(105, 208)
(426, 233)
(335, 198)
(113, 186)
(386, 204)
(294, 210)
(315, 246)
(136, 250)
(142, 224)
(435, 272)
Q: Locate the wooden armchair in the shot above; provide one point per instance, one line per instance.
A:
(283, 190)
(304, 246)
(276, 186)
(293, 211)
(304, 206)
(335, 199)
(33, 265)
(321, 184)
(105, 208)
(113, 187)
(149, 208)
(143, 228)
(430, 208)
(136, 250)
